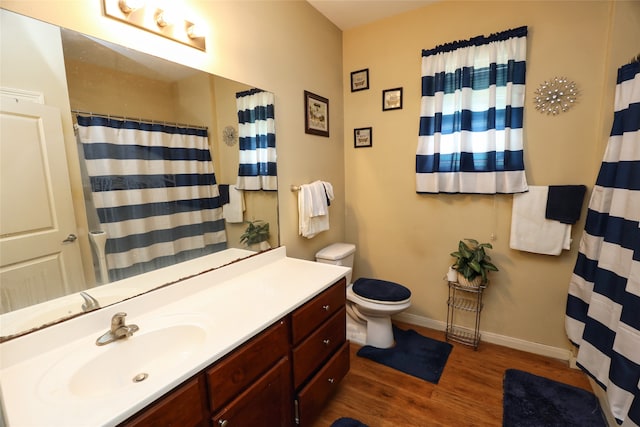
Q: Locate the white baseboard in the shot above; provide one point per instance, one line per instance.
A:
(503, 340)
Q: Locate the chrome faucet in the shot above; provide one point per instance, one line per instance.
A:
(118, 330)
(90, 303)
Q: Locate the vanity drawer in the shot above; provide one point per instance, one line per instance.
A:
(314, 395)
(317, 347)
(241, 368)
(183, 407)
(312, 314)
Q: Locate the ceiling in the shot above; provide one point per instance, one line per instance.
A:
(346, 14)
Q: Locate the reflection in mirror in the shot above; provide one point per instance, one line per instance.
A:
(115, 87)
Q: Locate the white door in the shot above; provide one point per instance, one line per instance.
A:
(39, 255)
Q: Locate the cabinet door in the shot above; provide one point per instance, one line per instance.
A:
(267, 403)
(182, 407)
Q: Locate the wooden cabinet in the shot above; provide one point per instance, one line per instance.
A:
(182, 407)
(266, 403)
(237, 371)
(320, 351)
(298, 361)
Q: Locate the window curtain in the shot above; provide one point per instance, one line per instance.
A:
(603, 305)
(155, 193)
(471, 138)
(257, 140)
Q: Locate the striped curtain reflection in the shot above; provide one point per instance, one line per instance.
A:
(257, 140)
(155, 193)
(603, 305)
(471, 138)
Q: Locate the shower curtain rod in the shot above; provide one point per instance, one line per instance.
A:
(148, 121)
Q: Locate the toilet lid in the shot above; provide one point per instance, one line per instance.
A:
(380, 290)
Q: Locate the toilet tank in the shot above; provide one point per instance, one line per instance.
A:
(338, 254)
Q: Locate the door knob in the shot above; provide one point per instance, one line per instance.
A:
(70, 238)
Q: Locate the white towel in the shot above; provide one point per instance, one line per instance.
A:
(313, 208)
(530, 230)
(233, 211)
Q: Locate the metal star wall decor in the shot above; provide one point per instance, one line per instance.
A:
(556, 96)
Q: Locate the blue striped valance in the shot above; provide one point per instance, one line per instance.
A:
(472, 113)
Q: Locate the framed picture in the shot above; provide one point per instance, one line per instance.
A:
(360, 80)
(316, 114)
(392, 99)
(362, 137)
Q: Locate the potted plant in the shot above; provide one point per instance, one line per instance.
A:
(256, 233)
(472, 262)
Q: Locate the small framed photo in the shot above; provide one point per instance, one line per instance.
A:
(360, 80)
(362, 137)
(316, 114)
(392, 99)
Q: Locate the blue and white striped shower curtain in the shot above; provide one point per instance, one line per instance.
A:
(257, 141)
(471, 116)
(155, 192)
(603, 305)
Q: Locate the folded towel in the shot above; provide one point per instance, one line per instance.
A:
(530, 230)
(565, 203)
(313, 208)
(234, 210)
(223, 189)
(319, 200)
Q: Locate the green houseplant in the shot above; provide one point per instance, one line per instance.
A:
(472, 262)
(256, 233)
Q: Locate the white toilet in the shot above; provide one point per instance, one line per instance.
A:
(370, 304)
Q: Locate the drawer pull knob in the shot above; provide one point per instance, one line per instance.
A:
(326, 307)
(326, 342)
(331, 380)
(223, 423)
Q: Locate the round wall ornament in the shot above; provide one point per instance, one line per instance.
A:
(556, 96)
(230, 135)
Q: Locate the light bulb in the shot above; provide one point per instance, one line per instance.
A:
(128, 6)
(195, 31)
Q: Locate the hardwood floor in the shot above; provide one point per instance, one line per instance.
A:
(469, 392)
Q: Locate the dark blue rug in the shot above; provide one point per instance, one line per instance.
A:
(533, 401)
(347, 422)
(413, 354)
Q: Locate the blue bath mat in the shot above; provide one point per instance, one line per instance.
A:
(533, 401)
(413, 354)
(347, 422)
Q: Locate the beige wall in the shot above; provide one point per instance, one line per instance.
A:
(406, 237)
(286, 47)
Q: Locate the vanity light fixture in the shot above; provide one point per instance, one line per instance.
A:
(150, 16)
(128, 6)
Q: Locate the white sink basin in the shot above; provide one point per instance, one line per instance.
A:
(116, 367)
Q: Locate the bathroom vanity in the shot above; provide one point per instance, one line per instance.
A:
(260, 342)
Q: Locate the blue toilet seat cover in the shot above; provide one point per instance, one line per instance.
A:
(380, 290)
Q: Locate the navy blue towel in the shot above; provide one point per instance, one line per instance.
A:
(223, 189)
(564, 203)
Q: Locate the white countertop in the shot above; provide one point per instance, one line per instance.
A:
(232, 303)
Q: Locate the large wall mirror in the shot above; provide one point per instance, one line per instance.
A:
(76, 74)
